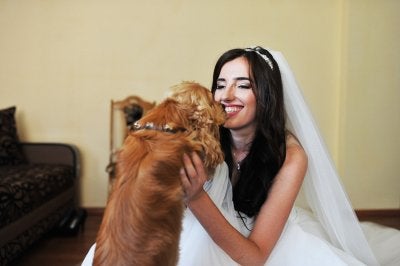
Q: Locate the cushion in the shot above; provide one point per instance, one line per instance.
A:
(26, 187)
(10, 149)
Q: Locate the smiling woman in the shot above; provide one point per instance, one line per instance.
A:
(245, 214)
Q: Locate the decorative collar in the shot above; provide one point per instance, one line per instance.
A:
(151, 126)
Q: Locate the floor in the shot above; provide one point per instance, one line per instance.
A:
(63, 250)
(387, 221)
(68, 251)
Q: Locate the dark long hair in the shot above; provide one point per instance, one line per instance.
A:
(268, 149)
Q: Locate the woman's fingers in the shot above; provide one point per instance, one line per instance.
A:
(184, 178)
(192, 176)
(188, 166)
(198, 166)
(185, 183)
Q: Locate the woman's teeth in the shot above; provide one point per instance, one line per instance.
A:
(232, 109)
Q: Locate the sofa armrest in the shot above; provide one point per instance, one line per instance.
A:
(52, 153)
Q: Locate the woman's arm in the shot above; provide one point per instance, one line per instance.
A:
(270, 221)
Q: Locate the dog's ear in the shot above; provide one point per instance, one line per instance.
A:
(205, 117)
(205, 120)
(200, 117)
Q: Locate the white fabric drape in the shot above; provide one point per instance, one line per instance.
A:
(324, 191)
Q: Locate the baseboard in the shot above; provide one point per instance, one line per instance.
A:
(361, 214)
(372, 213)
(95, 211)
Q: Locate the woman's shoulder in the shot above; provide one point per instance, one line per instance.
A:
(291, 139)
(295, 154)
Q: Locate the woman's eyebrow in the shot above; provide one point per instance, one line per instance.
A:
(242, 78)
(237, 79)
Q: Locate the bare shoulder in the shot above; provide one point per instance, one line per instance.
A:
(293, 146)
(296, 157)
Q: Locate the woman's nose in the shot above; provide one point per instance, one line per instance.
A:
(228, 93)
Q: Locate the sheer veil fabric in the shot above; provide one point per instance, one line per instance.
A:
(323, 189)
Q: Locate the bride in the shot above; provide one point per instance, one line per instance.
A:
(246, 215)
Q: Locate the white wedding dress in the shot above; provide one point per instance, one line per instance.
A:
(326, 232)
(303, 240)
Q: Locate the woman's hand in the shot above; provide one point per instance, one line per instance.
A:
(193, 177)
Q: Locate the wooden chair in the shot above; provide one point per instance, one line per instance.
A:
(123, 114)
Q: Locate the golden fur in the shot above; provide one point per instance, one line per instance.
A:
(142, 220)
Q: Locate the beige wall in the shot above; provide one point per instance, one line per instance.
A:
(61, 62)
(369, 145)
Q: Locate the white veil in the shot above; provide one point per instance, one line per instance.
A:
(324, 191)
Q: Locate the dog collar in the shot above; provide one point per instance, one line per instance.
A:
(151, 126)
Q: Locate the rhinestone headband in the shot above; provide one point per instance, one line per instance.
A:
(151, 126)
(257, 50)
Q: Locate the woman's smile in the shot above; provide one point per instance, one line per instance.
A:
(232, 110)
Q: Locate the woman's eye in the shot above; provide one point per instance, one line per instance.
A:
(244, 86)
(220, 86)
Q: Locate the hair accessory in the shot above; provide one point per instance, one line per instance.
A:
(257, 49)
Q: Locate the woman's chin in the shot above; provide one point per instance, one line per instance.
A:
(230, 124)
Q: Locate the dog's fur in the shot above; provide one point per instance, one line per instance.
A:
(143, 217)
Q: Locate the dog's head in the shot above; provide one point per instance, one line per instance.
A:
(190, 110)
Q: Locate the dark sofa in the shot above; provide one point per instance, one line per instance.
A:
(37, 189)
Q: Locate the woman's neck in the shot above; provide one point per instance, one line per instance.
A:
(241, 141)
(240, 147)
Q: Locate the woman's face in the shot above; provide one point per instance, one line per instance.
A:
(234, 91)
